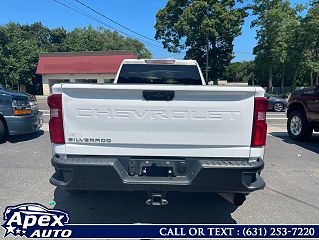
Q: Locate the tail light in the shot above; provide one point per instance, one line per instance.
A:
(56, 120)
(259, 132)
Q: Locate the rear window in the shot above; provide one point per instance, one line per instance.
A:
(159, 74)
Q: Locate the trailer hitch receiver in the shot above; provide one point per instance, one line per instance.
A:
(157, 199)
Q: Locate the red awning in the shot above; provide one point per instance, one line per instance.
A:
(88, 62)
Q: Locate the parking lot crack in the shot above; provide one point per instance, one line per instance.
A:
(293, 198)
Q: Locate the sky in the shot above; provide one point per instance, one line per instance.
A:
(138, 15)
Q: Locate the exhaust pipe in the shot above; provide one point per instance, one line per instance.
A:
(236, 199)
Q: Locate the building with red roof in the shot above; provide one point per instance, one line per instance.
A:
(80, 67)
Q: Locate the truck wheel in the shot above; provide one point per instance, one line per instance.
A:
(278, 107)
(298, 126)
(3, 132)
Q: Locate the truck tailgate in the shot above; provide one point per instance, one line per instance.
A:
(200, 121)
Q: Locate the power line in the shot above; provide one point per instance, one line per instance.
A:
(121, 25)
(117, 30)
(106, 25)
(115, 22)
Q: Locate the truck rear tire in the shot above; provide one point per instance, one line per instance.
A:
(298, 126)
(3, 132)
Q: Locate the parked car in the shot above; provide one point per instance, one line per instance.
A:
(158, 129)
(277, 104)
(33, 102)
(303, 113)
(19, 113)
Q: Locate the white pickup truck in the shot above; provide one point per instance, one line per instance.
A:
(158, 128)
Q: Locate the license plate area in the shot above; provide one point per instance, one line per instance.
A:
(157, 171)
(151, 167)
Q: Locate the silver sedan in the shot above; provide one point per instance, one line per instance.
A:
(277, 104)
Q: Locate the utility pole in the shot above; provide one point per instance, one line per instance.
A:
(207, 50)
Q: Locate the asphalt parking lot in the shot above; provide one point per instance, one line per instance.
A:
(291, 196)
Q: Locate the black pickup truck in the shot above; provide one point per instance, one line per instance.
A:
(303, 113)
(19, 113)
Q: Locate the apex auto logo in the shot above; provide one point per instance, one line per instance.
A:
(35, 221)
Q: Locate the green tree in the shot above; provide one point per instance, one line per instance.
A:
(20, 46)
(57, 40)
(90, 39)
(240, 72)
(303, 48)
(275, 20)
(311, 38)
(19, 56)
(201, 26)
(288, 22)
